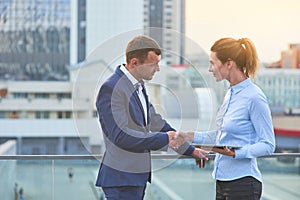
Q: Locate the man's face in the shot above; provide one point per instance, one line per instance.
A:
(147, 69)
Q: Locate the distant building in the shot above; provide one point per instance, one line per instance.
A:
(164, 20)
(35, 39)
(290, 58)
(281, 86)
(44, 118)
(40, 39)
(169, 17)
(107, 19)
(78, 30)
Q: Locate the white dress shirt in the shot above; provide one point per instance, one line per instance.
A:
(139, 91)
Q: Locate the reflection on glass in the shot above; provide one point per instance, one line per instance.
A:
(172, 179)
(34, 39)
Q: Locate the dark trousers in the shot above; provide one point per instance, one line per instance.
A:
(246, 188)
(124, 193)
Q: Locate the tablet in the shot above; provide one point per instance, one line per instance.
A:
(210, 146)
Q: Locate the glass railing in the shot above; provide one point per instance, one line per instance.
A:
(63, 177)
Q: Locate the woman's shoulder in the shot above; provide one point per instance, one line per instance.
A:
(255, 90)
(256, 95)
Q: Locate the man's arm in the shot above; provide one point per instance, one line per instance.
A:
(113, 113)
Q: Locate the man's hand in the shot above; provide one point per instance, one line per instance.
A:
(200, 162)
(199, 155)
(174, 142)
(176, 139)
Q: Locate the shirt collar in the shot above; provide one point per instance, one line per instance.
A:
(240, 86)
(129, 76)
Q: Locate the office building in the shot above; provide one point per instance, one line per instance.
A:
(34, 39)
(167, 17)
(281, 86)
(44, 118)
(107, 19)
(290, 58)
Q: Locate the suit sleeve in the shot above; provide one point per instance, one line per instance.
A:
(112, 106)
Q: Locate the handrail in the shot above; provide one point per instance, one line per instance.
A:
(100, 156)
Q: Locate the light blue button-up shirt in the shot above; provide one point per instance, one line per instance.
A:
(247, 123)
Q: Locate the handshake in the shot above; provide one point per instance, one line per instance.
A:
(176, 139)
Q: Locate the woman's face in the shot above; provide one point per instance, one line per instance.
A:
(220, 71)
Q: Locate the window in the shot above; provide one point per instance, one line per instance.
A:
(42, 115)
(64, 115)
(64, 96)
(42, 96)
(2, 114)
(18, 95)
(35, 151)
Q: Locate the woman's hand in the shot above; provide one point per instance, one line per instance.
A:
(225, 151)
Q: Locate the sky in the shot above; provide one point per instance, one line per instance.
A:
(270, 24)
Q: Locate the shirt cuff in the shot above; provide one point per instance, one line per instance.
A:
(240, 153)
(198, 137)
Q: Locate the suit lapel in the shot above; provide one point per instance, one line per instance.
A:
(138, 101)
(133, 93)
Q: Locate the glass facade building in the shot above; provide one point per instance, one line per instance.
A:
(35, 37)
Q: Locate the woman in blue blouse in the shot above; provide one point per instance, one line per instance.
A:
(243, 120)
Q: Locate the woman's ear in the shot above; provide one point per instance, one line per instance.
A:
(230, 63)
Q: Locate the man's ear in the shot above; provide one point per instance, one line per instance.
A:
(134, 62)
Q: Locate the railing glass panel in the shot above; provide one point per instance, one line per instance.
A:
(48, 177)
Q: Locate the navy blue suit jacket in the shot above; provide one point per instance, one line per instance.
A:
(128, 140)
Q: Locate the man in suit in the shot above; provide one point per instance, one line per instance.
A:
(131, 127)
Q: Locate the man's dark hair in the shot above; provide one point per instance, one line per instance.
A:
(139, 47)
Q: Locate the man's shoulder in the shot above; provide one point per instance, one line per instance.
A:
(113, 78)
(117, 82)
